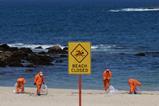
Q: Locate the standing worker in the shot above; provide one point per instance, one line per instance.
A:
(133, 83)
(38, 81)
(107, 75)
(20, 85)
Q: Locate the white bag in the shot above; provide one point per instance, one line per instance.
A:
(44, 89)
(112, 90)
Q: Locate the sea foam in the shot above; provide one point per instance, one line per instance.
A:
(44, 47)
(134, 10)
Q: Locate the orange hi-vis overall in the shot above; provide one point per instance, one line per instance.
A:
(38, 80)
(106, 79)
(133, 83)
(20, 85)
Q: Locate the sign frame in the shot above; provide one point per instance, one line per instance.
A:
(83, 61)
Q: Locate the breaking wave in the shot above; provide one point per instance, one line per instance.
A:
(134, 10)
(95, 48)
(34, 47)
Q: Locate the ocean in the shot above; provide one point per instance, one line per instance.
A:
(117, 33)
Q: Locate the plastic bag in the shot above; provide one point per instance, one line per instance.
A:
(112, 90)
(44, 89)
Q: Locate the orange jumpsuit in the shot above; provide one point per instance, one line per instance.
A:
(20, 85)
(106, 79)
(133, 83)
(38, 80)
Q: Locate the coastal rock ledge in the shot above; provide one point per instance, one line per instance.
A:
(25, 57)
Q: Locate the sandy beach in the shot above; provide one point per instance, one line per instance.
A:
(69, 97)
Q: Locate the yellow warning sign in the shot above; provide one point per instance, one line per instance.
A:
(79, 57)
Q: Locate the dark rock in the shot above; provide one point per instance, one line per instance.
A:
(39, 47)
(140, 54)
(16, 58)
(30, 65)
(63, 55)
(25, 57)
(65, 50)
(55, 50)
(26, 50)
(153, 54)
(5, 55)
(8, 58)
(20, 54)
(13, 49)
(2, 64)
(14, 61)
(39, 59)
(4, 47)
(15, 64)
(42, 53)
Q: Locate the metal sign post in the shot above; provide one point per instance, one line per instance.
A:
(80, 89)
(79, 62)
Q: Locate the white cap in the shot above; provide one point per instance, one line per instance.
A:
(107, 69)
(41, 73)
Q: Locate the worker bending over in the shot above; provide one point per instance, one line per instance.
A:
(133, 83)
(107, 75)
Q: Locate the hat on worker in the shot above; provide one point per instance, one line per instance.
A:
(107, 69)
(41, 73)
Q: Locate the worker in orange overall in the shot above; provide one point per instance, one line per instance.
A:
(107, 75)
(133, 83)
(20, 85)
(38, 81)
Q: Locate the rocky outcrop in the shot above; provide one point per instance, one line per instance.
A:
(40, 59)
(11, 56)
(140, 54)
(8, 58)
(57, 50)
(25, 57)
(39, 47)
(5, 47)
(153, 54)
(26, 50)
(65, 50)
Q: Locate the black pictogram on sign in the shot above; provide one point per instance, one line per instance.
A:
(79, 53)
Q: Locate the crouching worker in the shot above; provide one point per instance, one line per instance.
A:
(133, 83)
(107, 75)
(38, 81)
(20, 85)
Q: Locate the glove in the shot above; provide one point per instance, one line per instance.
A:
(34, 83)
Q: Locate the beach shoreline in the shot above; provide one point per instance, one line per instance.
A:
(69, 97)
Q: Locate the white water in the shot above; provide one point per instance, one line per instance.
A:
(109, 48)
(134, 10)
(32, 46)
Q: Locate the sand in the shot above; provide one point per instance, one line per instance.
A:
(69, 97)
